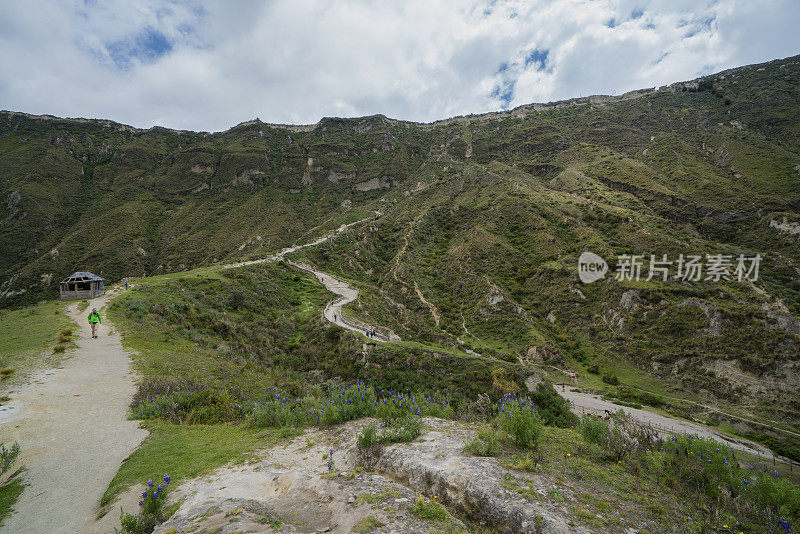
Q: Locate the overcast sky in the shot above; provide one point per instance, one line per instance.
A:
(206, 65)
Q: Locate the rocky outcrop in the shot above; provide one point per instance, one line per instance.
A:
(202, 169)
(291, 487)
(244, 178)
(374, 183)
(336, 177)
(474, 487)
(792, 228)
(711, 312)
(494, 297)
(785, 322)
(12, 204)
(630, 300)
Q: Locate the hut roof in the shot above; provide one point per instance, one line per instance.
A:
(82, 276)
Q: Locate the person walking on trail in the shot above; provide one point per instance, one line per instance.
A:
(94, 320)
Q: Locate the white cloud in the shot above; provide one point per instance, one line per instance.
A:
(209, 65)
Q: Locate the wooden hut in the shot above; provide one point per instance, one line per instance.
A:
(81, 285)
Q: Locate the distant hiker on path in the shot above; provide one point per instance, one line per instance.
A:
(94, 320)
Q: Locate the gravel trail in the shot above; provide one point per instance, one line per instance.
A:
(72, 427)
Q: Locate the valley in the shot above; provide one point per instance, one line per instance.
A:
(451, 250)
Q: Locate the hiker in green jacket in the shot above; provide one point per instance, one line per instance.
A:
(94, 320)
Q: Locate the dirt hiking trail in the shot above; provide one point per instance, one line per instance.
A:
(71, 424)
(346, 293)
(588, 403)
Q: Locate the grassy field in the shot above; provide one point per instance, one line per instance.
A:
(28, 335)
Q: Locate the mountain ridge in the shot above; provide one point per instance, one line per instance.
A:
(535, 106)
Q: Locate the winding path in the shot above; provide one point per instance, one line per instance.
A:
(588, 403)
(581, 402)
(72, 427)
(347, 293)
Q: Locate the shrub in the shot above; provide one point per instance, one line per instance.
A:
(610, 378)
(618, 445)
(529, 462)
(151, 510)
(639, 397)
(594, 369)
(711, 468)
(788, 446)
(628, 404)
(429, 509)
(615, 439)
(203, 405)
(485, 443)
(333, 334)
(58, 349)
(7, 457)
(275, 414)
(503, 383)
(552, 407)
(367, 524)
(368, 436)
(5, 372)
(236, 299)
(402, 430)
(594, 430)
(399, 430)
(518, 418)
(65, 336)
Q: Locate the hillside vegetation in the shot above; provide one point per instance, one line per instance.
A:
(482, 219)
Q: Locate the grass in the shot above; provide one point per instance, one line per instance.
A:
(401, 429)
(224, 337)
(429, 509)
(487, 442)
(183, 452)
(185, 326)
(31, 329)
(9, 493)
(650, 486)
(367, 524)
(27, 333)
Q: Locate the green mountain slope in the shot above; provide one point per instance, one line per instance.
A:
(483, 219)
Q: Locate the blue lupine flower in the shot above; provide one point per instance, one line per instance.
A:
(149, 483)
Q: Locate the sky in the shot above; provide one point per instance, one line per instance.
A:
(209, 65)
